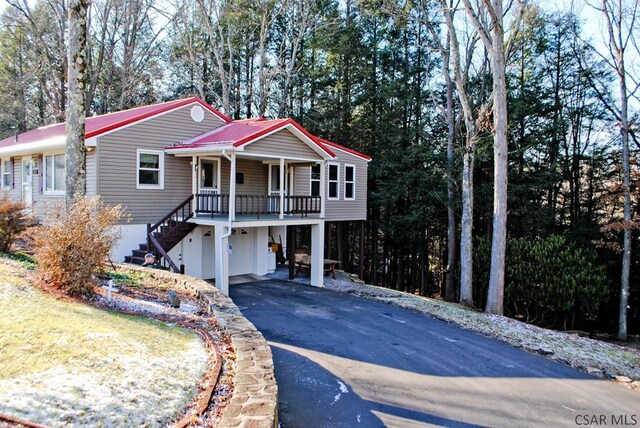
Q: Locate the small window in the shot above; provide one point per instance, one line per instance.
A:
(6, 173)
(150, 169)
(315, 180)
(334, 179)
(55, 174)
(350, 182)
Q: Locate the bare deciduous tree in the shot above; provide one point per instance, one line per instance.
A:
(468, 158)
(620, 17)
(488, 19)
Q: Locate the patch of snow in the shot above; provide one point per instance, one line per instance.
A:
(343, 390)
(120, 390)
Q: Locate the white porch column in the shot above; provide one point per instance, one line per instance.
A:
(222, 260)
(323, 187)
(317, 254)
(282, 184)
(194, 181)
(262, 246)
(232, 188)
(292, 172)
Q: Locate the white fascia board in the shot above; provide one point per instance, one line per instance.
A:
(35, 146)
(296, 221)
(91, 142)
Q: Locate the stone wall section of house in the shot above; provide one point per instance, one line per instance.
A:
(254, 402)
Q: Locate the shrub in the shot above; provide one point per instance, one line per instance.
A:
(548, 281)
(12, 222)
(73, 244)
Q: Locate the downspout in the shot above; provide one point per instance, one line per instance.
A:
(229, 221)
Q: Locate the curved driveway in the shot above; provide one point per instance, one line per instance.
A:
(345, 361)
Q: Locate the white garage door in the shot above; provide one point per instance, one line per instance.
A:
(242, 260)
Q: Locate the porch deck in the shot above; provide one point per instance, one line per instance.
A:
(216, 206)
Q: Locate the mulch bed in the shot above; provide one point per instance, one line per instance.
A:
(216, 386)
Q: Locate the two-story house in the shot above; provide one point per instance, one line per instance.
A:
(201, 190)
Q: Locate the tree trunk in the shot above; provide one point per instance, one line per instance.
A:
(76, 110)
(450, 287)
(626, 181)
(466, 235)
(495, 297)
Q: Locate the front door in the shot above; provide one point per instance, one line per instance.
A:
(27, 181)
(274, 186)
(209, 183)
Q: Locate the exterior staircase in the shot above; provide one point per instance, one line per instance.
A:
(164, 235)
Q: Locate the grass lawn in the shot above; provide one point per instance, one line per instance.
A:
(69, 363)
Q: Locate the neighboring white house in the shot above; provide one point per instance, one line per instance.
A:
(201, 190)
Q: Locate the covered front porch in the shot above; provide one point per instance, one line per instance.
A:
(234, 186)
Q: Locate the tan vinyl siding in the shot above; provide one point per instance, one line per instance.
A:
(117, 164)
(340, 209)
(282, 143)
(255, 177)
(43, 203)
(14, 192)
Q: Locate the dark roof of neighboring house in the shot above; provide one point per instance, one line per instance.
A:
(97, 125)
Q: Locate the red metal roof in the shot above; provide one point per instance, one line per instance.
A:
(241, 132)
(98, 125)
(343, 148)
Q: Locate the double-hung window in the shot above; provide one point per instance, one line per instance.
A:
(315, 180)
(6, 173)
(55, 173)
(349, 182)
(150, 171)
(334, 180)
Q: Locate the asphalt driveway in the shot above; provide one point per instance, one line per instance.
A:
(344, 361)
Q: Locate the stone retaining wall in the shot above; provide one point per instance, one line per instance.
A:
(254, 402)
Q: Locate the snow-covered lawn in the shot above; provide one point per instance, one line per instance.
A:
(599, 358)
(67, 363)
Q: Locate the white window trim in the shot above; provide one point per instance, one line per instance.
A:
(311, 180)
(337, 197)
(160, 185)
(3, 173)
(218, 173)
(44, 174)
(347, 165)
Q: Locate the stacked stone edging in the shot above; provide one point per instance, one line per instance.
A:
(254, 402)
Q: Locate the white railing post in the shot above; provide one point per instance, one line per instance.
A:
(232, 189)
(323, 189)
(194, 182)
